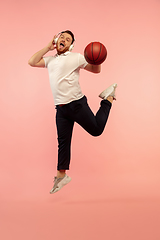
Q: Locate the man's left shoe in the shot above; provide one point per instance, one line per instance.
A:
(59, 183)
(110, 91)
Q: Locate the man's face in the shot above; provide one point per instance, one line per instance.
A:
(63, 43)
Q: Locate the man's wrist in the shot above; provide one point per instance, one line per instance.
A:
(46, 49)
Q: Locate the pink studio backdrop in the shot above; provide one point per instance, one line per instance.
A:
(115, 188)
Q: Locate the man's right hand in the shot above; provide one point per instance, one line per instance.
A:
(51, 45)
(37, 59)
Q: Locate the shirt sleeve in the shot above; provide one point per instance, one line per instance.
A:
(47, 60)
(82, 61)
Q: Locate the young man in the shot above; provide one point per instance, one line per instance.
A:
(71, 104)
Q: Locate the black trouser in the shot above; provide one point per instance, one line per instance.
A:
(77, 111)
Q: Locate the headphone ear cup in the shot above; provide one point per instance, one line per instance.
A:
(71, 47)
(55, 40)
(57, 36)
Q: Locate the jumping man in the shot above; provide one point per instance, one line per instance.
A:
(71, 104)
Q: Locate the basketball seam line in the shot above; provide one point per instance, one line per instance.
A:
(92, 52)
(99, 53)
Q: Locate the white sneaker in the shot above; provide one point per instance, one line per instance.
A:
(59, 183)
(110, 91)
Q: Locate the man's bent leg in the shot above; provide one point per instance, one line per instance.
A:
(91, 123)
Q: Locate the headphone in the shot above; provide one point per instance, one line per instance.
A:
(56, 39)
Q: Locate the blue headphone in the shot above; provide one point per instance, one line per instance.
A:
(56, 39)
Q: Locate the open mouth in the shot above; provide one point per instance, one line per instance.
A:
(61, 45)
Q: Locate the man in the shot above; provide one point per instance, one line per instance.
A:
(71, 104)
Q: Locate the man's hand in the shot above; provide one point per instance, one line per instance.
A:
(37, 59)
(93, 68)
(51, 45)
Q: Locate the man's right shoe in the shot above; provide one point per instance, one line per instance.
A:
(59, 183)
(110, 91)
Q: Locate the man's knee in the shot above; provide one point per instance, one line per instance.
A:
(96, 133)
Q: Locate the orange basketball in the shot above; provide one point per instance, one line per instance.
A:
(95, 53)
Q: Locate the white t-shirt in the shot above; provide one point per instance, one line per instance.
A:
(64, 76)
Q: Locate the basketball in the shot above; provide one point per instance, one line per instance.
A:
(95, 53)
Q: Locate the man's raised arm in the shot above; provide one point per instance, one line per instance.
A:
(37, 59)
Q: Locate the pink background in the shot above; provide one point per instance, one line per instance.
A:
(115, 188)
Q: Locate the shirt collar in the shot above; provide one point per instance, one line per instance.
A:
(63, 54)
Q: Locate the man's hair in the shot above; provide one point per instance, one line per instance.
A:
(70, 33)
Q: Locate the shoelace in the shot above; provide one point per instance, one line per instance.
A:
(56, 181)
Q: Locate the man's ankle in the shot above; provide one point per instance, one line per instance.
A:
(61, 173)
(110, 99)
